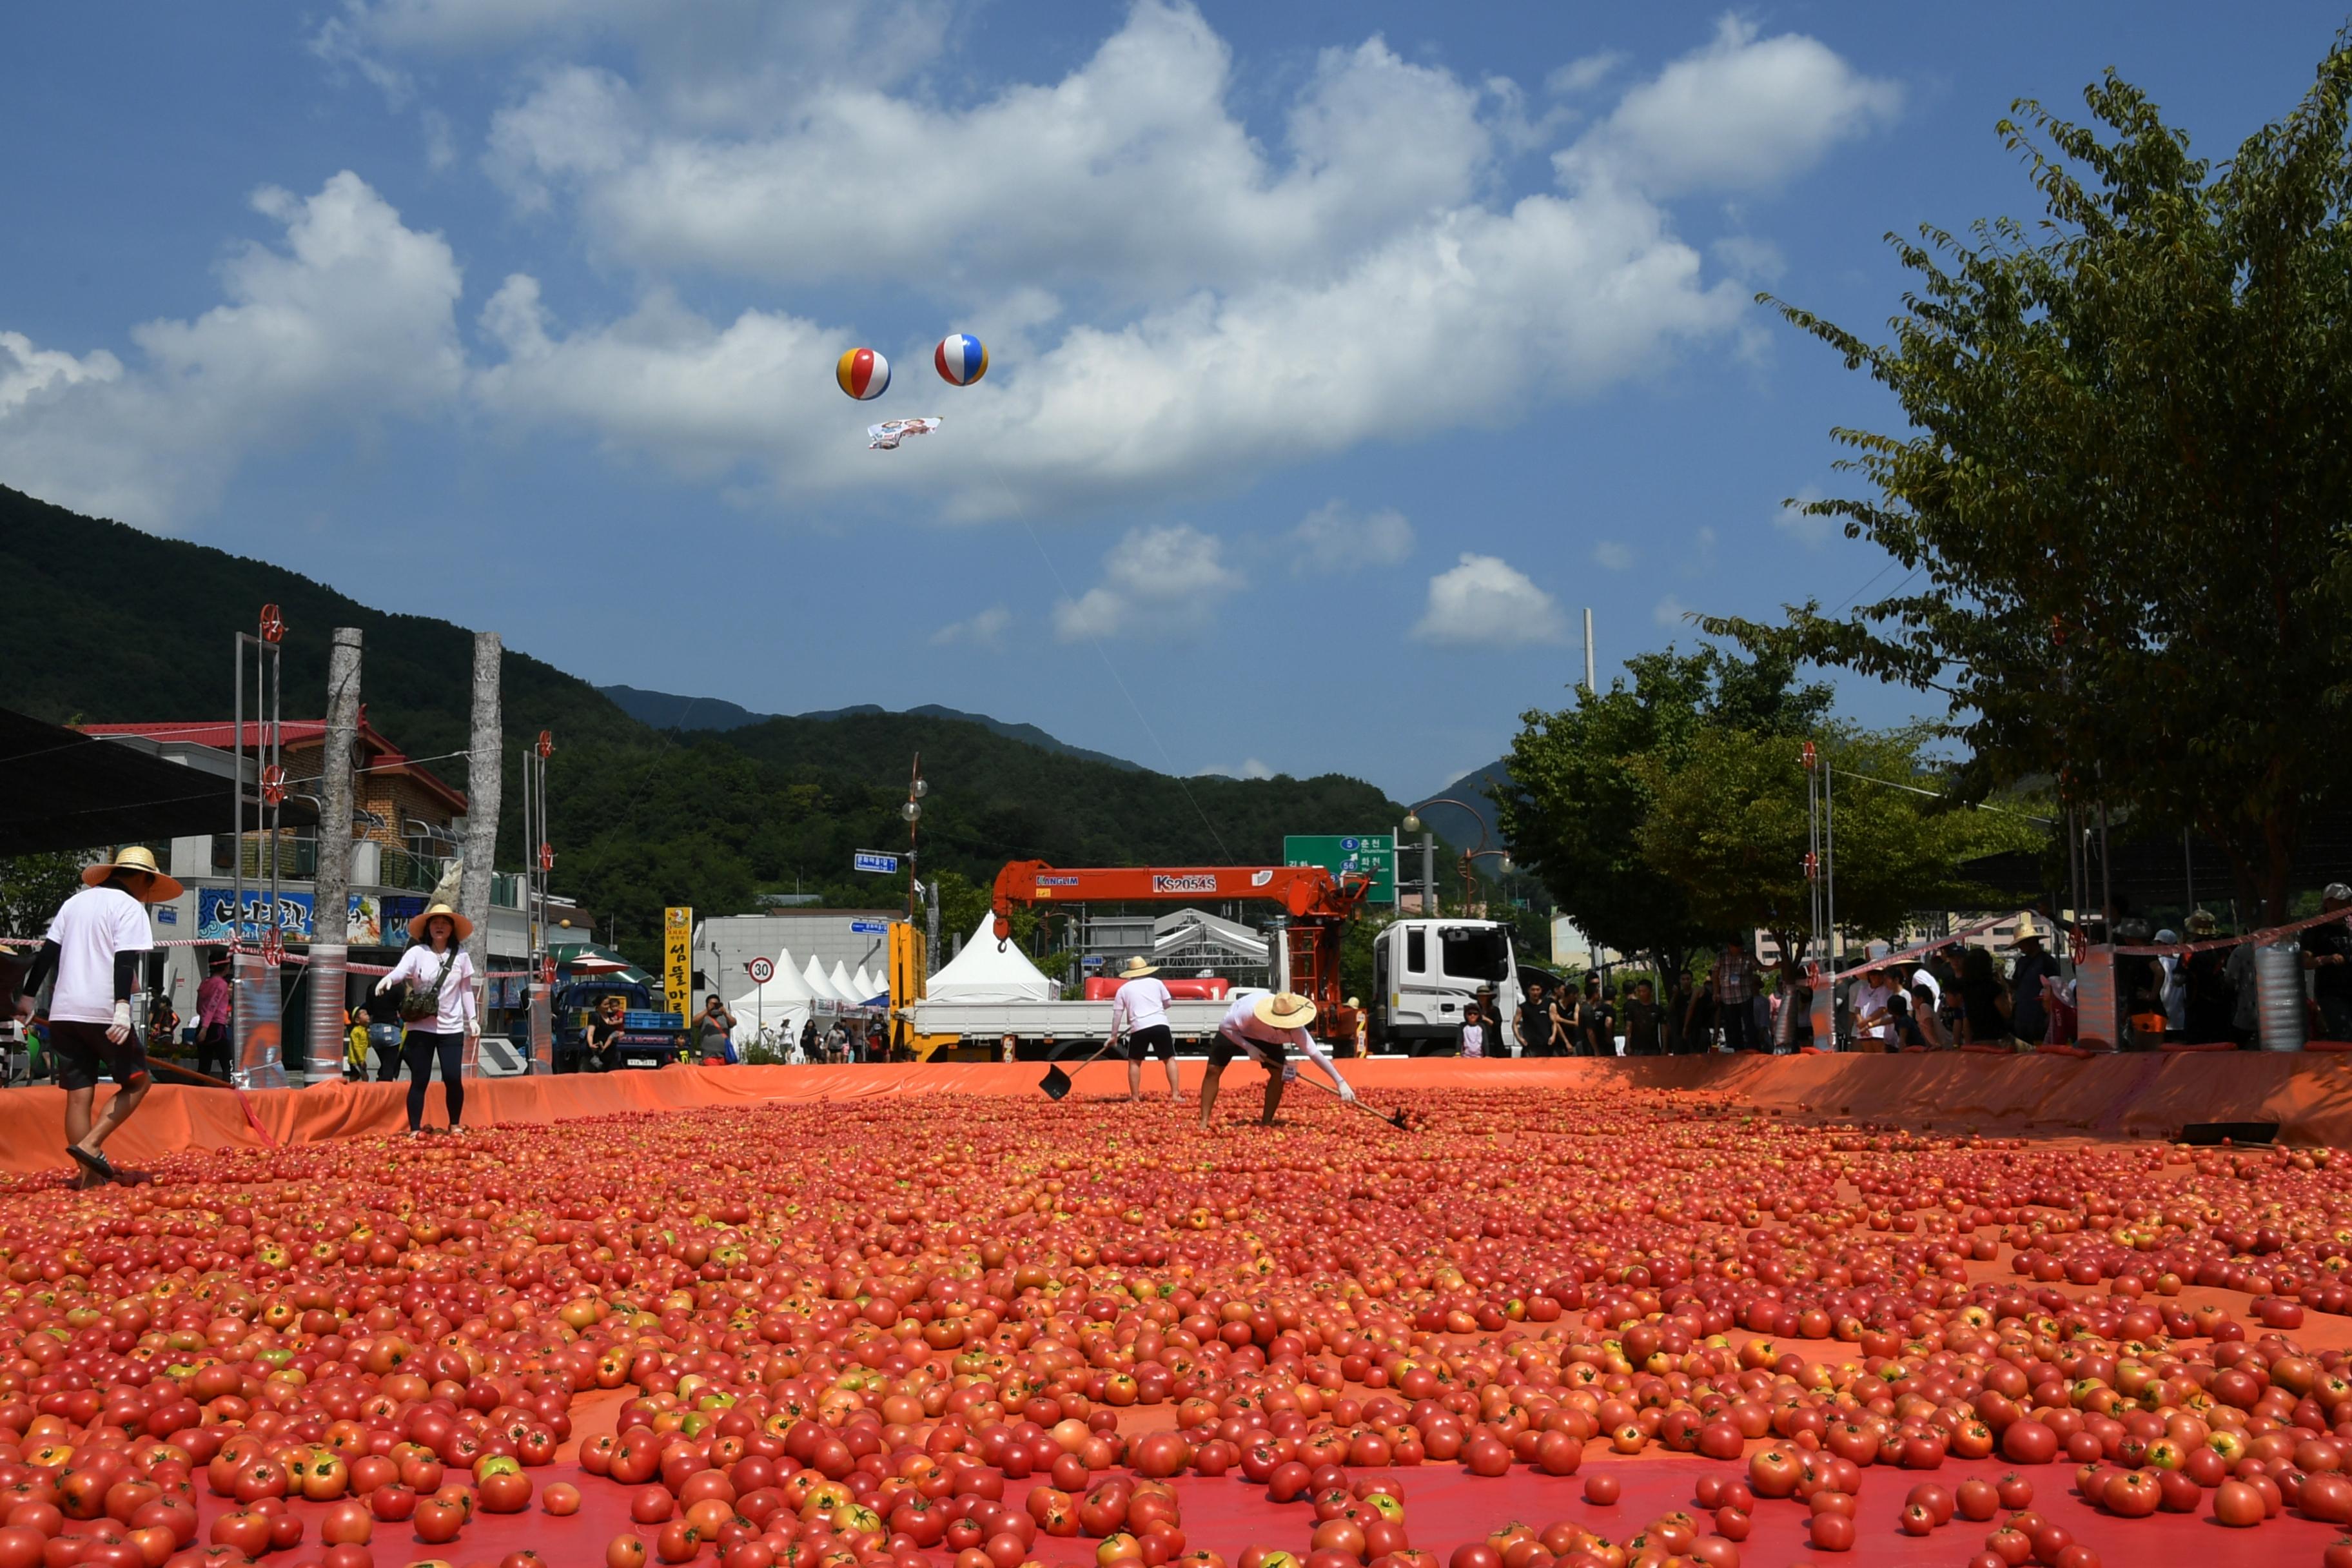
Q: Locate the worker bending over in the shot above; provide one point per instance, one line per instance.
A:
(1264, 1025)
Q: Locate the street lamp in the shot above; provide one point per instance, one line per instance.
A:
(1413, 824)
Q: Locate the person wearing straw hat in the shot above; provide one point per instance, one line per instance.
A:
(93, 951)
(1138, 1008)
(1264, 1025)
(439, 1007)
(2028, 1018)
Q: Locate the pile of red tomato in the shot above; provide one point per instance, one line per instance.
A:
(933, 1333)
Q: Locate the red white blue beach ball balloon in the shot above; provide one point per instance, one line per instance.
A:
(961, 359)
(862, 374)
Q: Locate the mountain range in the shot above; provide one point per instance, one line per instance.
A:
(666, 710)
(119, 626)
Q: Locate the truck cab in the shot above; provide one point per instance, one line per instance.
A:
(1426, 972)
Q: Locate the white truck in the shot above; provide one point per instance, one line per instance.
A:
(1426, 972)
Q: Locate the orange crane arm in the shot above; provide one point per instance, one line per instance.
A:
(1303, 890)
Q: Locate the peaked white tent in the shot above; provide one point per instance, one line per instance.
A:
(983, 974)
(821, 988)
(845, 987)
(783, 1004)
(868, 986)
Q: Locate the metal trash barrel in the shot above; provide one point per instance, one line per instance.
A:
(2279, 998)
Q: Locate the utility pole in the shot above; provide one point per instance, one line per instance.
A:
(331, 903)
(484, 763)
(1588, 650)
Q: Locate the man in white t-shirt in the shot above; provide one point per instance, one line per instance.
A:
(93, 951)
(1873, 1020)
(1265, 1025)
(1139, 1008)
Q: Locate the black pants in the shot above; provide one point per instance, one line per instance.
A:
(419, 1051)
(213, 1052)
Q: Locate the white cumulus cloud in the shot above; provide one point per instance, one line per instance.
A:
(1611, 555)
(1484, 601)
(985, 629)
(1742, 112)
(1335, 537)
(349, 319)
(1791, 519)
(1251, 768)
(1156, 582)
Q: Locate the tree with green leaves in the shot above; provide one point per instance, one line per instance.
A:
(33, 885)
(2123, 489)
(1728, 825)
(1582, 786)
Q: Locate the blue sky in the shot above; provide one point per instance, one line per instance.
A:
(1341, 354)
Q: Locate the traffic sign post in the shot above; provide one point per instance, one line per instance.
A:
(1370, 854)
(873, 860)
(762, 971)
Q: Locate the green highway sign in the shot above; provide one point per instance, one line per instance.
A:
(1367, 854)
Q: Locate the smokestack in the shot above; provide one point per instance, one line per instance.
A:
(1588, 650)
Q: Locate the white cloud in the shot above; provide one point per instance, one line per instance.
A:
(1745, 256)
(1251, 768)
(353, 318)
(1612, 556)
(1583, 75)
(1156, 582)
(985, 629)
(1335, 537)
(1130, 174)
(714, 62)
(1671, 613)
(1484, 601)
(1791, 519)
(1742, 112)
(26, 372)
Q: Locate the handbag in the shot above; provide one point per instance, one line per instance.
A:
(415, 1005)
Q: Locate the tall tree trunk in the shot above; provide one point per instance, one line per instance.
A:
(330, 929)
(483, 778)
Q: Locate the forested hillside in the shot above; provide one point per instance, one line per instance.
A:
(122, 626)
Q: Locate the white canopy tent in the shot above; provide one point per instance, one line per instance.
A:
(868, 988)
(980, 973)
(828, 999)
(845, 987)
(783, 1004)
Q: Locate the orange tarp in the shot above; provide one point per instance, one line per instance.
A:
(2130, 1096)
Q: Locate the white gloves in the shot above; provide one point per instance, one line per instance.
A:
(1347, 1091)
(383, 985)
(119, 1030)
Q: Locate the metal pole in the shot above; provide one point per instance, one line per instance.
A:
(237, 812)
(932, 946)
(1588, 651)
(1428, 872)
(2189, 868)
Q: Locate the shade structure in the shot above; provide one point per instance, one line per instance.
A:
(983, 973)
(820, 987)
(782, 1004)
(845, 987)
(866, 986)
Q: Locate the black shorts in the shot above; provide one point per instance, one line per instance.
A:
(83, 1050)
(1153, 1039)
(1272, 1053)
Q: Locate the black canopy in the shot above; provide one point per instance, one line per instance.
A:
(60, 789)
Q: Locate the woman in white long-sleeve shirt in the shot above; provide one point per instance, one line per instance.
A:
(439, 1008)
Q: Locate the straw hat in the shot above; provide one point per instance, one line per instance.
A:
(2027, 930)
(1137, 969)
(1352, 1003)
(140, 859)
(1285, 1010)
(463, 926)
